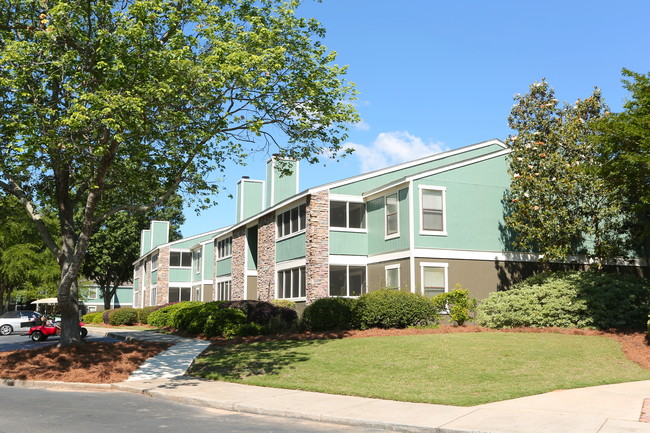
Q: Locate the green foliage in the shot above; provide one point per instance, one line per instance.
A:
(273, 318)
(193, 317)
(131, 101)
(285, 303)
(570, 299)
(228, 322)
(95, 317)
(624, 148)
(164, 316)
(394, 309)
(123, 316)
(458, 303)
(143, 314)
(557, 203)
(329, 314)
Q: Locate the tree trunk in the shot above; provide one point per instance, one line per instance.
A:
(106, 295)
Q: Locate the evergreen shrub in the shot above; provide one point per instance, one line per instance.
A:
(143, 313)
(123, 316)
(329, 314)
(273, 318)
(94, 317)
(394, 309)
(458, 304)
(570, 299)
(164, 316)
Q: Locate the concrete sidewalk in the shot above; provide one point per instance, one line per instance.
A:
(600, 409)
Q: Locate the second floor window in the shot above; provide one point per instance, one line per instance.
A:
(224, 248)
(433, 210)
(347, 215)
(392, 218)
(180, 258)
(292, 221)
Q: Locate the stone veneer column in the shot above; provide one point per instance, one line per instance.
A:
(266, 258)
(317, 246)
(162, 285)
(238, 267)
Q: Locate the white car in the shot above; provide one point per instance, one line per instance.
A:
(17, 321)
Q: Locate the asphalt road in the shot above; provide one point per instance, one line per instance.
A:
(28, 410)
(21, 341)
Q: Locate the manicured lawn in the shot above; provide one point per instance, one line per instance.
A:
(462, 369)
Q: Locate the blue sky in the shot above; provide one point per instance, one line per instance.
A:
(434, 76)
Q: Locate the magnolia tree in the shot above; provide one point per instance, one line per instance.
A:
(112, 106)
(558, 204)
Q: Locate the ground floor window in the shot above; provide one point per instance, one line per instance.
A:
(179, 294)
(291, 283)
(224, 290)
(392, 276)
(135, 299)
(347, 280)
(152, 296)
(434, 278)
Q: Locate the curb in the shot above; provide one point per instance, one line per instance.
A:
(44, 384)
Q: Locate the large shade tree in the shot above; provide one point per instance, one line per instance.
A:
(559, 205)
(115, 245)
(624, 156)
(110, 106)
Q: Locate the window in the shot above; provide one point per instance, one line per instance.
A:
(224, 290)
(197, 293)
(347, 215)
(154, 263)
(347, 280)
(92, 308)
(392, 277)
(392, 219)
(291, 283)
(433, 216)
(152, 297)
(93, 293)
(179, 294)
(197, 261)
(292, 221)
(180, 258)
(135, 299)
(434, 278)
(224, 248)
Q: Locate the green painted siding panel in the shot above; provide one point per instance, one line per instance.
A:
(253, 198)
(269, 186)
(285, 186)
(376, 215)
(188, 243)
(358, 188)
(159, 233)
(348, 243)
(224, 267)
(124, 295)
(180, 275)
(154, 277)
(208, 261)
(145, 242)
(291, 248)
(251, 248)
(474, 209)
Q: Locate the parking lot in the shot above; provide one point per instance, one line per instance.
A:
(16, 341)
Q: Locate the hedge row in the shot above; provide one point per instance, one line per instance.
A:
(386, 309)
(570, 299)
(121, 316)
(225, 318)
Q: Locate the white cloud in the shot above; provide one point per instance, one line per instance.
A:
(390, 148)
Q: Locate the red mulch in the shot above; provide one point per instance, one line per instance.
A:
(90, 362)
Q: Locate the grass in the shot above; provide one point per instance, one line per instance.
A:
(461, 369)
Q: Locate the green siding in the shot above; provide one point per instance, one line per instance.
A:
(154, 277)
(251, 248)
(180, 275)
(188, 243)
(358, 188)
(224, 267)
(208, 261)
(252, 194)
(348, 243)
(377, 225)
(159, 233)
(145, 242)
(124, 295)
(291, 248)
(285, 186)
(474, 209)
(269, 186)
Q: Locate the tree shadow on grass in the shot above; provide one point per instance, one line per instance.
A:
(235, 362)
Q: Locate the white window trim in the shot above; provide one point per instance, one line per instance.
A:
(347, 227)
(289, 209)
(181, 258)
(180, 287)
(153, 295)
(424, 265)
(277, 281)
(442, 232)
(218, 249)
(199, 261)
(396, 234)
(399, 276)
(364, 289)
